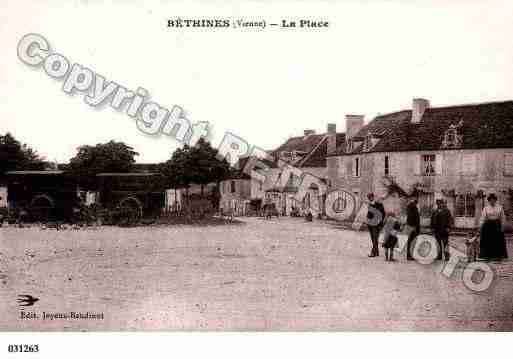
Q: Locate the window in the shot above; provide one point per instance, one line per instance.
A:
(465, 206)
(428, 165)
(232, 186)
(356, 169)
(452, 139)
(387, 166)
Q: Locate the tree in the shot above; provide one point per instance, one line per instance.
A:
(198, 165)
(103, 157)
(173, 170)
(206, 167)
(17, 156)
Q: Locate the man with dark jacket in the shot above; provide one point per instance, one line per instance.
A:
(441, 223)
(413, 221)
(375, 218)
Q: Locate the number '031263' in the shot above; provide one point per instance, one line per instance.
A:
(22, 348)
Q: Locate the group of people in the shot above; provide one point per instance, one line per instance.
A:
(492, 242)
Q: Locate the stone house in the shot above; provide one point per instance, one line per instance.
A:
(458, 153)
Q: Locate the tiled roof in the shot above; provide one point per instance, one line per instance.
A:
(301, 143)
(317, 158)
(315, 146)
(488, 125)
(239, 173)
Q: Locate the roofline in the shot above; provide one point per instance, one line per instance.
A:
(427, 150)
(42, 172)
(297, 137)
(470, 104)
(121, 174)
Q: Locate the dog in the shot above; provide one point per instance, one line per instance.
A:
(472, 248)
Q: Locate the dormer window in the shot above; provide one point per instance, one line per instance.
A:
(452, 138)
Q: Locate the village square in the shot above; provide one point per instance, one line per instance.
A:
(194, 243)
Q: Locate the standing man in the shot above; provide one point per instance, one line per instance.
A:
(413, 221)
(375, 218)
(441, 223)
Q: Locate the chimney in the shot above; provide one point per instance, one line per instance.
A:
(419, 106)
(309, 132)
(354, 123)
(332, 138)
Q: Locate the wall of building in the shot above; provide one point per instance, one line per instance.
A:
(321, 172)
(3, 197)
(341, 174)
(459, 170)
(235, 201)
(271, 179)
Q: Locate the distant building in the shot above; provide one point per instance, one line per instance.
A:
(240, 193)
(308, 153)
(458, 153)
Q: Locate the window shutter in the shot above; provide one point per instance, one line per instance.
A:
(438, 165)
(416, 164)
(508, 164)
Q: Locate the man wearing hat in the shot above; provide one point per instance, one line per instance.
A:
(441, 223)
(413, 221)
(375, 218)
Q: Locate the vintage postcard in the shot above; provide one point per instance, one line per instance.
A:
(220, 166)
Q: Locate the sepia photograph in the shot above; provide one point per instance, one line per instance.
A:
(255, 166)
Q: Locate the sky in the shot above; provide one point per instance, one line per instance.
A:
(263, 85)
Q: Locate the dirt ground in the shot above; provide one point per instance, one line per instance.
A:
(279, 274)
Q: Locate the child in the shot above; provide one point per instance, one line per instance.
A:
(390, 231)
(472, 247)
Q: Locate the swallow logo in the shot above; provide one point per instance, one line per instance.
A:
(26, 300)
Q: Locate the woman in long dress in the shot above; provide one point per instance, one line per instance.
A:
(493, 243)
